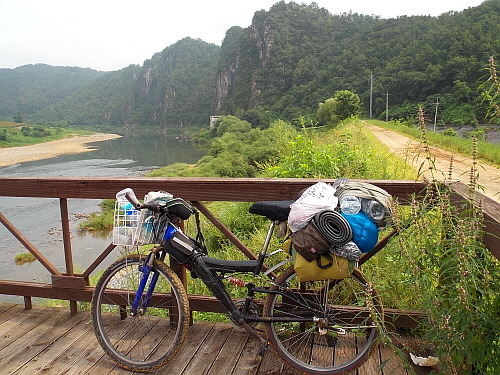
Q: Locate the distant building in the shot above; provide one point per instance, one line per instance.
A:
(213, 120)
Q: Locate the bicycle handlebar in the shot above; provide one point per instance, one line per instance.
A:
(129, 195)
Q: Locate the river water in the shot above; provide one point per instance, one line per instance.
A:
(39, 218)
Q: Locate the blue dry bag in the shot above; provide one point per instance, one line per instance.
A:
(364, 231)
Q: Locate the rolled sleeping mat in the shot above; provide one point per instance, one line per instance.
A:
(333, 226)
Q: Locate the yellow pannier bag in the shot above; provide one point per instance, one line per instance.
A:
(327, 266)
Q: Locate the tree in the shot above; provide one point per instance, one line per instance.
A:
(343, 105)
(18, 118)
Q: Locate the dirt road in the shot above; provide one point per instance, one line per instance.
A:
(411, 150)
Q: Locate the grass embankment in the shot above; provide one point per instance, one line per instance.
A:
(13, 134)
(350, 151)
(486, 151)
(437, 264)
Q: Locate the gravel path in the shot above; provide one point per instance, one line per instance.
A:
(72, 145)
(411, 150)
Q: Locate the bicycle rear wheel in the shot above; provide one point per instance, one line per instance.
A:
(148, 339)
(346, 313)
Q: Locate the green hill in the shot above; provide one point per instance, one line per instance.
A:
(288, 60)
(31, 88)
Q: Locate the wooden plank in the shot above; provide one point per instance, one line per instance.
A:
(209, 350)
(9, 311)
(66, 358)
(19, 325)
(194, 340)
(6, 306)
(54, 342)
(322, 353)
(371, 365)
(195, 189)
(21, 348)
(62, 344)
(92, 360)
(345, 349)
(271, 363)
(391, 364)
(227, 358)
(249, 360)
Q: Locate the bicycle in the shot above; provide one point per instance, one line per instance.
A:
(140, 309)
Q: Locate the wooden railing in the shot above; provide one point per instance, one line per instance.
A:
(75, 287)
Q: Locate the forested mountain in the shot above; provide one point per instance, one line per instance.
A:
(295, 56)
(30, 88)
(174, 87)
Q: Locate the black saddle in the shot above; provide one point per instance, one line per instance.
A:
(273, 210)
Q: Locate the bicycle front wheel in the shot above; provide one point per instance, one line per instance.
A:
(344, 313)
(147, 339)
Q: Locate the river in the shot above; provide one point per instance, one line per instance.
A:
(39, 218)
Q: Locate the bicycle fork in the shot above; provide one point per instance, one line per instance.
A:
(146, 268)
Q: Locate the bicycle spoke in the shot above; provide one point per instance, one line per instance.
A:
(340, 316)
(153, 334)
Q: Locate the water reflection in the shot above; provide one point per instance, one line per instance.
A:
(39, 218)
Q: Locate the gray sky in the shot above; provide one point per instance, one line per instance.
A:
(112, 34)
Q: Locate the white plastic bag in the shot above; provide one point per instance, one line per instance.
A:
(317, 198)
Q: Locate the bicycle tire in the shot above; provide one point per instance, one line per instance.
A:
(152, 337)
(349, 328)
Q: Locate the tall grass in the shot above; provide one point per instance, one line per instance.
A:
(453, 277)
(349, 150)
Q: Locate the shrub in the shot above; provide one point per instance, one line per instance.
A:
(478, 134)
(450, 132)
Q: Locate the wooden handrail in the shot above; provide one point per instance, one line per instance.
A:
(73, 287)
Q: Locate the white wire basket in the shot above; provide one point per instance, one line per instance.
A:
(150, 228)
(125, 223)
(136, 228)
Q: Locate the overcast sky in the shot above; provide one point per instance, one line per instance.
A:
(112, 34)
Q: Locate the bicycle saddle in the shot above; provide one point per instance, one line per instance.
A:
(273, 210)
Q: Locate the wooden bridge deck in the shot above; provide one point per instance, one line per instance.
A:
(49, 341)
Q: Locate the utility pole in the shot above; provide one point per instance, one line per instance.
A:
(436, 113)
(371, 92)
(387, 106)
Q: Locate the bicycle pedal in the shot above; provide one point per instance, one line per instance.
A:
(264, 349)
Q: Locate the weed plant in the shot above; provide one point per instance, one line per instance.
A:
(349, 150)
(24, 258)
(453, 276)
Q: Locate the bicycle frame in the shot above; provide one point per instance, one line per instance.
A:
(208, 274)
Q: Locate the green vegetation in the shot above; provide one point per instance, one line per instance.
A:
(14, 134)
(236, 150)
(437, 264)
(174, 88)
(99, 221)
(343, 105)
(24, 258)
(31, 88)
(264, 73)
(451, 275)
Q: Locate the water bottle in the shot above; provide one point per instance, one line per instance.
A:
(374, 210)
(350, 205)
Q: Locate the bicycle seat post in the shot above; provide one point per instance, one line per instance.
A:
(262, 255)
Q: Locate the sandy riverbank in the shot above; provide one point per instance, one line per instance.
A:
(47, 150)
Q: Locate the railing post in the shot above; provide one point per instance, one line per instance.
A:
(180, 271)
(68, 255)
